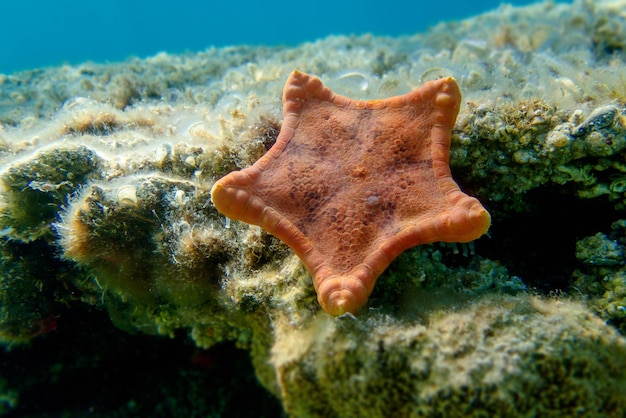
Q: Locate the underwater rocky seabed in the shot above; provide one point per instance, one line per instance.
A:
(105, 213)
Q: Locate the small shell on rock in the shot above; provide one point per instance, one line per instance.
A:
(199, 130)
(179, 197)
(602, 117)
(127, 196)
(354, 81)
(435, 74)
(577, 116)
(388, 87)
(190, 161)
(569, 88)
(559, 138)
(162, 155)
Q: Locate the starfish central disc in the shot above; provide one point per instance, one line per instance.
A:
(351, 184)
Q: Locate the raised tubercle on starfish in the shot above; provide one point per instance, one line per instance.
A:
(350, 184)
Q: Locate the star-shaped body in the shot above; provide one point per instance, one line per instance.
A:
(351, 184)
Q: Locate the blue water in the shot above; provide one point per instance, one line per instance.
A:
(41, 33)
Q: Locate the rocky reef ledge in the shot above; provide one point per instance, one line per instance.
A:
(105, 175)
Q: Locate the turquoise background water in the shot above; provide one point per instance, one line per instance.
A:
(39, 33)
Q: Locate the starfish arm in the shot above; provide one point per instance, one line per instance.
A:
(468, 221)
(231, 196)
(446, 103)
(301, 86)
(341, 293)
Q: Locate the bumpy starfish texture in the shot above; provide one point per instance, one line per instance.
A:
(351, 184)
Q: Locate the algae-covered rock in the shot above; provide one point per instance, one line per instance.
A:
(35, 190)
(602, 278)
(502, 356)
(105, 174)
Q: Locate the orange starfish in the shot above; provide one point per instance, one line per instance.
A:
(351, 184)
